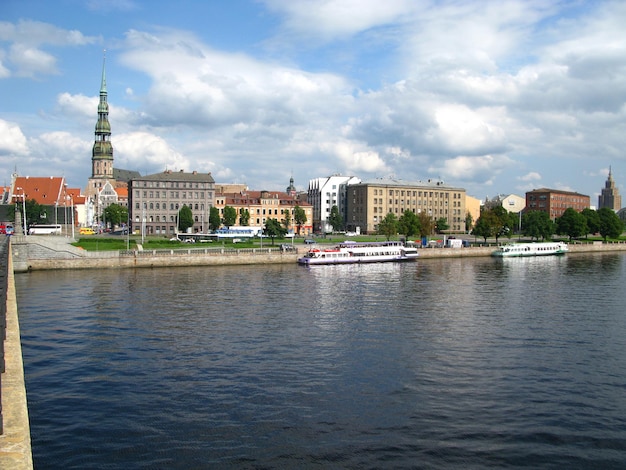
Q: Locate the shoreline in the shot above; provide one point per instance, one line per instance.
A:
(55, 253)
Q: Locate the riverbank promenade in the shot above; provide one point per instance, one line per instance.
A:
(15, 445)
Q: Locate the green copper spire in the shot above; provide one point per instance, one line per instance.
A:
(103, 86)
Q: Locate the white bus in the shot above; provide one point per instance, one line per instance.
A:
(45, 229)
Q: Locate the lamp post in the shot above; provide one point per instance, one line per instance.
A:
(23, 195)
(72, 206)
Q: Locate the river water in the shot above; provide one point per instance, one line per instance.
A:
(456, 363)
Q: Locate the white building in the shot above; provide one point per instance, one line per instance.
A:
(323, 194)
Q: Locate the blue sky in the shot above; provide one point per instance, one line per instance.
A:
(493, 96)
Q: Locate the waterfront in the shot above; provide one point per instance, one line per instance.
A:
(438, 364)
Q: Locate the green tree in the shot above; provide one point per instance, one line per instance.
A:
(214, 219)
(299, 217)
(35, 213)
(115, 214)
(507, 222)
(537, 224)
(593, 220)
(335, 219)
(469, 221)
(610, 224)
(572, 223)
(408, 224)
(426, 224)
(244, 217)
(442, 225)
(487, 225)
(185, 219)
(286, 219)
(274, 229)
(388, 226)
(230, 216)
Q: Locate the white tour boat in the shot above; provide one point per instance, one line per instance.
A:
(531, 249)
(354, 252)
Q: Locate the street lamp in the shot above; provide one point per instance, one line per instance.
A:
(23, 208)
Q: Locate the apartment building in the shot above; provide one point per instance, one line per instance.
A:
(555, 202)
(369, 202)
(155, 200)
(263, 205)
(323, 194)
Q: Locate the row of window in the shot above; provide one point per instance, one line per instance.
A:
(400, 192)
(173, 194)
(174, 184)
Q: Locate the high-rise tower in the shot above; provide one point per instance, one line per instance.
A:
(609, 197)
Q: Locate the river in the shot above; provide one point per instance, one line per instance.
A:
(454, 363)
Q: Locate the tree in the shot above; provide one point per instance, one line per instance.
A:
(185, 218)
(214, 219)
(388, 226)
(610, 224)
(487, 225)
(286, 219)
(507, 222)
(244, 217)
(115, 214)
(593, 220)
(537, 224)
(230, 216)
(469, 221)
(442, 224)
(299, 217)
(408, 224)
(274, 229)
(572, 223)
(335, 219)
(426, 224)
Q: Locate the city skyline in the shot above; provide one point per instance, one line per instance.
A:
(494, 97)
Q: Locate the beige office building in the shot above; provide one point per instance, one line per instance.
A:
(369, 202)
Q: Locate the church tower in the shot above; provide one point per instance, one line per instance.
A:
(102, 152)
(609, 197)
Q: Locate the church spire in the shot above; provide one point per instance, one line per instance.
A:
(102, 154)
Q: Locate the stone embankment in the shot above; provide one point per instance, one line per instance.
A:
(15, 445)
(35, 253)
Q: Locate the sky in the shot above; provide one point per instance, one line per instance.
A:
(497, 97)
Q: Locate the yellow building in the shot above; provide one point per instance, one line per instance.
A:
(263, 205)
(369, 202)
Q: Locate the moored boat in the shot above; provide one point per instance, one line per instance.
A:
(512, 250)
(353, 252)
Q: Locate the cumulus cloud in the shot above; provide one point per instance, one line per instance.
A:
(147, 153)
(27, 38)
(12, 139)
(329, 19)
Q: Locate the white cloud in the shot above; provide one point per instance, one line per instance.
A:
(12, 140)
(27, 38)
(329, 19)
(147, 153)
(532, 176)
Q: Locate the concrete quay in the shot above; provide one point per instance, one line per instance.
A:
(34, 253)
(15, 444)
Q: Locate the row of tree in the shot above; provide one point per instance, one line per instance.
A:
(498, 222)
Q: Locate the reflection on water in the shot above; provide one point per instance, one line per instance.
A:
(435, 364)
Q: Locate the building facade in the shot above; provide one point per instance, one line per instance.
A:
(155, 200)
(554, 202)
(368, 203)
(263, 205)
(323, 194)
(609, 196)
